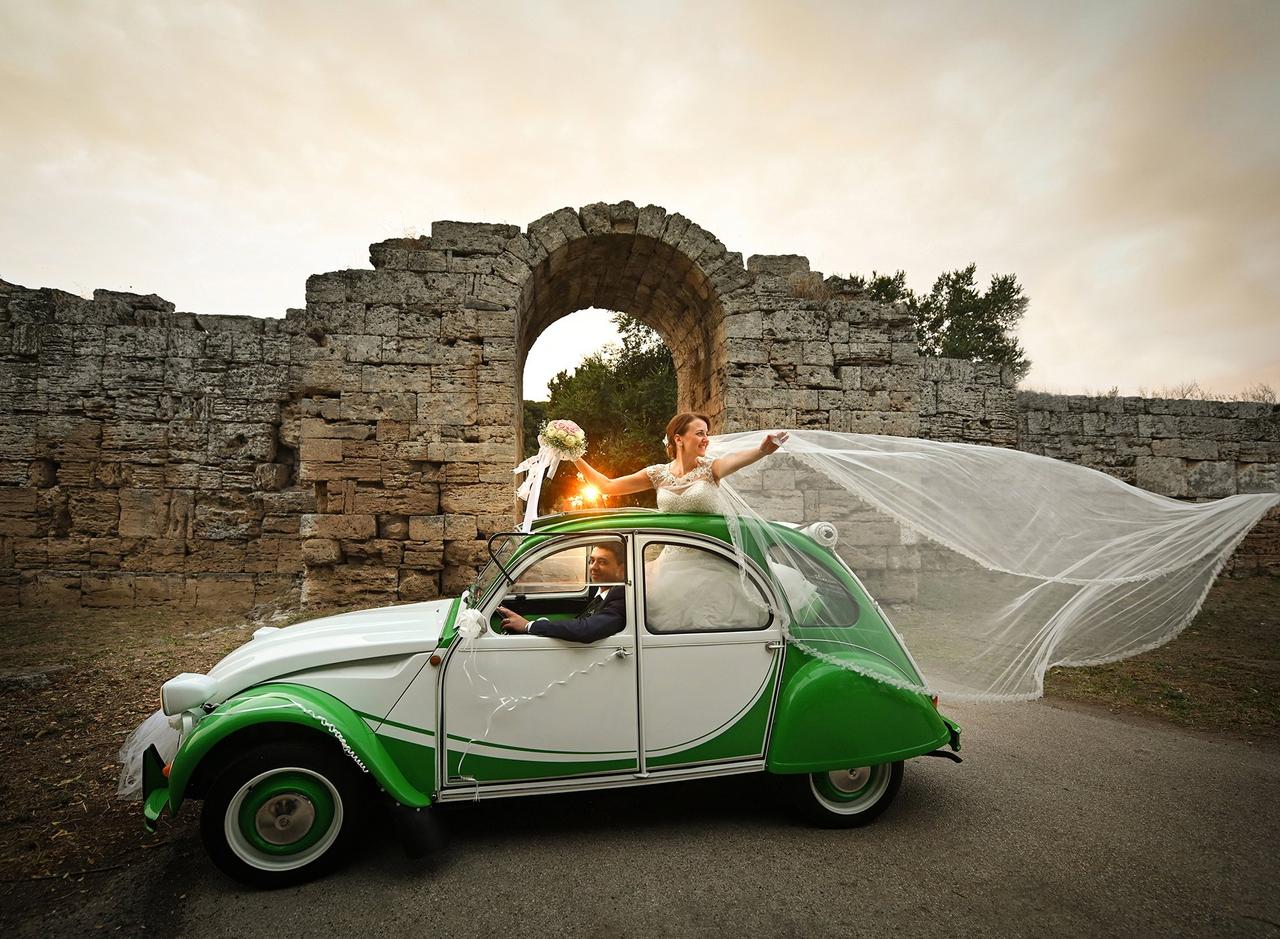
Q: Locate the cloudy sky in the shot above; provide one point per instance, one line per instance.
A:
(1122, 158)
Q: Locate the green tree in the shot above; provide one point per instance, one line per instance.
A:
(622, 396)
(957, 320)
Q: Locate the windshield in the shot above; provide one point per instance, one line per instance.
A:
(502, 548)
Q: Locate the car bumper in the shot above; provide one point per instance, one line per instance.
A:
(155, 788)
(954, 730)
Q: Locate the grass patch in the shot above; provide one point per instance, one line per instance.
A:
(1221, 675)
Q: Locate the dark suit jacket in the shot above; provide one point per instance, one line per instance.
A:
(609, 618)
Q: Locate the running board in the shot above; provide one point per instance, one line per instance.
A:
(459, 791)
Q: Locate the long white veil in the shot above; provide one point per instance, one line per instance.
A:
(992, 564)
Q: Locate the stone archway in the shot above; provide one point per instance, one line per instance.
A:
(660, 268)
(409, 375)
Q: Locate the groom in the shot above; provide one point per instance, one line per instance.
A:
(605, 615)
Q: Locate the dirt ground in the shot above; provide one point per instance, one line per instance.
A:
(73, 686)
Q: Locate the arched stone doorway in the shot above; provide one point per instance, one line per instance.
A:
(409, 376)
(659, 268)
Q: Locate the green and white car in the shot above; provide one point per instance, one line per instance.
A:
(289, 739)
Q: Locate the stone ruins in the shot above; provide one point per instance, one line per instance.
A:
(359, 451)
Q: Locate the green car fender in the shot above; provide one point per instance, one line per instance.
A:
(286, 704)
(830, 717)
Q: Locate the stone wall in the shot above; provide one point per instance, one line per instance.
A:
(968, 402)
(420, 398)
(359, 451)
(145, 455)
(809, 351)
(1187, 449)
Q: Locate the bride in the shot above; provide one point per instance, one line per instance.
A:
(688, 588)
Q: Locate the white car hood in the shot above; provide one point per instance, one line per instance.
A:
(349, 637)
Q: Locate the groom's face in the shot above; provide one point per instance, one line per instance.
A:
(605, 568)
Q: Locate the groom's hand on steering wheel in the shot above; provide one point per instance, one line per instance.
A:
(512, 621)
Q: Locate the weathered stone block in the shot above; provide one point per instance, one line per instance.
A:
(48, 589)
(1210, 479)
(459, 527)
(423, 557)
(1164, 475)
(393, 527)
(166, 590)
(112, 590)
(427, 528)
(778, 265)
(270, 477)
(322, 449)
(343, 527)
(416, 585)
(1187, 449)
(1258, 477)
(224, 593)
(359, 406)
(317, 551)
(144, 513)
(476, 237)
(94, 512)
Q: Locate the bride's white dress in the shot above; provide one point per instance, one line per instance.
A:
(688, 589)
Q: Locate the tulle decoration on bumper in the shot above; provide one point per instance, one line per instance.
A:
(993, 565)
(559, 440)
(155, 729)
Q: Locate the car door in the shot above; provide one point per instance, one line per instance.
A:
(530, 708)
(710, 649)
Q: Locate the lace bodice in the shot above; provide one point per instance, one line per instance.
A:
(695, 491)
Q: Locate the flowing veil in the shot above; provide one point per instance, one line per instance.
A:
(993, 565)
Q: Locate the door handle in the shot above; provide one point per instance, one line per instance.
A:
(773, 646)
(623, 651)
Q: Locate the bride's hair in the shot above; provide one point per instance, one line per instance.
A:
(677, 425)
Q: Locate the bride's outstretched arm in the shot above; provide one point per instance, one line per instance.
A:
(635, 482)
(732, 462)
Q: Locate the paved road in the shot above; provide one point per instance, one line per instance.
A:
(1060, 822)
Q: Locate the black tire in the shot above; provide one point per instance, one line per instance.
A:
(848, 798)
(282, 813)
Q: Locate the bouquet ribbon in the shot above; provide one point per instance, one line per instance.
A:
(542, 465)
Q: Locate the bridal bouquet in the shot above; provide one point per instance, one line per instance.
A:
(565, 439)
(558, 441)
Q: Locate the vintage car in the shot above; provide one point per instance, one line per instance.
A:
(288, 739)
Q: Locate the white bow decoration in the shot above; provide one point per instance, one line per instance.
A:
(542, 465)
(471, 624)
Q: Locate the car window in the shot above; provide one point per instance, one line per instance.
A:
(815, 594)
(691, 589)
(563, 571)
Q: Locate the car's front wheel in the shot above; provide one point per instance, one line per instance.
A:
(282, 813)
(846, 798)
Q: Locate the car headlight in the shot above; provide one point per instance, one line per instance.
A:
(186, 691)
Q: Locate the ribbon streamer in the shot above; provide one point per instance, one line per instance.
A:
(542, 465)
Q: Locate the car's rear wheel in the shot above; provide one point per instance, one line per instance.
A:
(283, 813)
(847, 798)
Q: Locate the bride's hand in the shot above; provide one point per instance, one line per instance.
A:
(773, 441)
